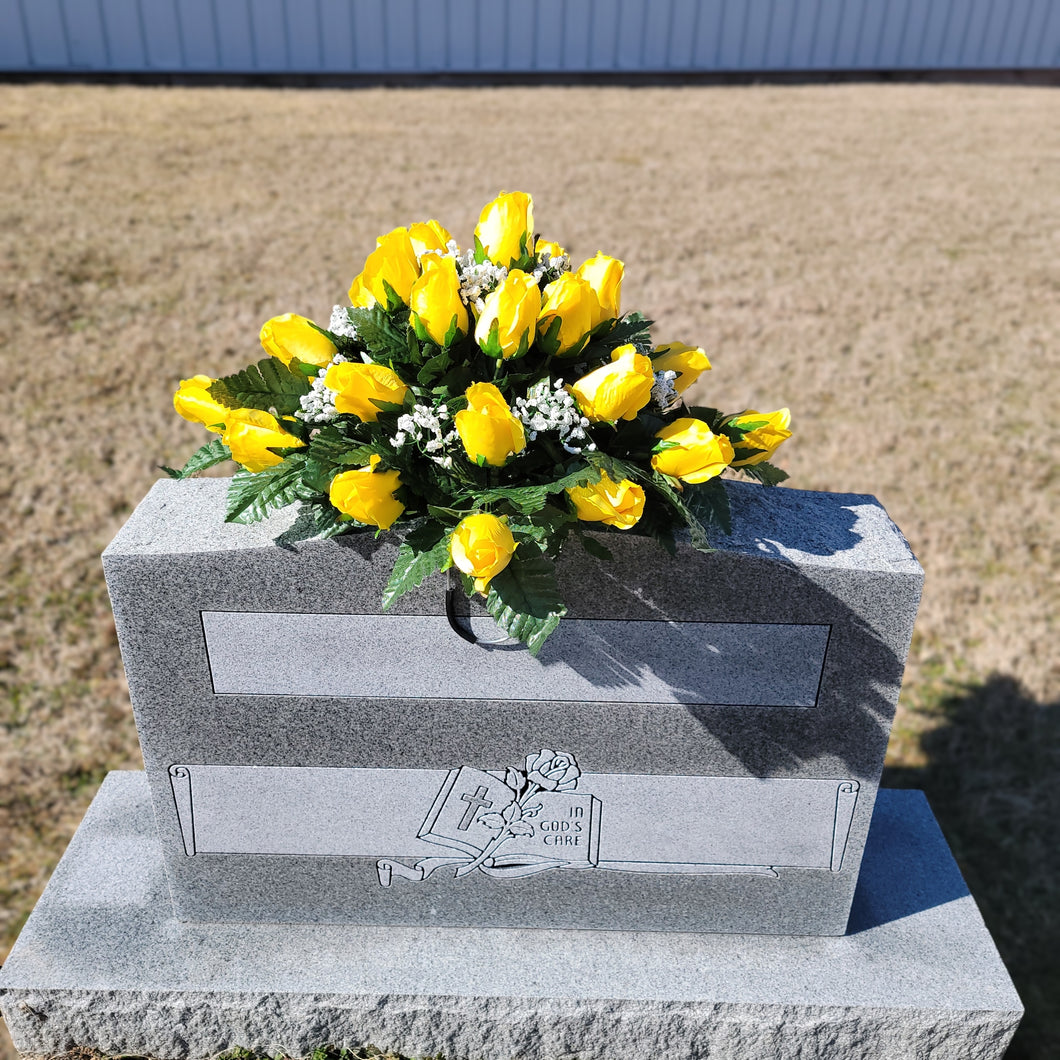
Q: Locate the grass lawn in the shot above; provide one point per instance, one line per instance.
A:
(880, 258)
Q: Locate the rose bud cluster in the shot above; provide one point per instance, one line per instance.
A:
(490, 402)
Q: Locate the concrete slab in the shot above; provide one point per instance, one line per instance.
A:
(104, 963)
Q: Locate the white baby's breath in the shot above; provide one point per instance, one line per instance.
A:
(340, 323)
(318, 406)
(476, 279)
(425, 426)
(554, 411)
(664, 395)
(550, 268)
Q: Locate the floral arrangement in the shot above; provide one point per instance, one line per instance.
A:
(493, 402)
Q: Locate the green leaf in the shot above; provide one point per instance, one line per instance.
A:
(213, 452)
(524, 599)
(709, 503)
(712, 417)
(766, 473)
(632, 328)
(391, 408)
(547, 528)
(385, 338)
(433, 368)
(451, 332)
(549, 340)
(740, 429)
(252, 495)
(414, 562)
(346, 344)
(446, 515)
(616, 469)
(594, 548)
(673, 498)
(304, 368)
(480, 252)
(393, 299)
(492, 347)
(268, 384)
(315, 519)
(530, 499)
(333, 447)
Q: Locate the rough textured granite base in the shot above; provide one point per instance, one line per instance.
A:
(103, 963)
(775, 659)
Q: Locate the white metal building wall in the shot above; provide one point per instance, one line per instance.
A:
(525, 36)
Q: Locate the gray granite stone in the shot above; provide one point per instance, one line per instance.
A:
(728, 714)
(103, 963)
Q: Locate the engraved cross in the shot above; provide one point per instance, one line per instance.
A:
(475, 803)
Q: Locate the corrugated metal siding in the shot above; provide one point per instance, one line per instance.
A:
(525, 36)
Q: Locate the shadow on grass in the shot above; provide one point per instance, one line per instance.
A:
(993, 779)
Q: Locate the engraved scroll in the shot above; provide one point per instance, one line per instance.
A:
(473, 819)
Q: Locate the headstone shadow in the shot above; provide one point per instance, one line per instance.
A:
(992, 777)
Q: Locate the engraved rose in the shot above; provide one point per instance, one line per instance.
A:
(552, 770)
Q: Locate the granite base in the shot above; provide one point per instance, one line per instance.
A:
(103, 963)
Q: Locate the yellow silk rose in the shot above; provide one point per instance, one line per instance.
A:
(508, 319)
(359, 294)
(505, 229)
(393, 263)
(687, 361)
(618, 390)
(367, 495)
(435, 309)
(481, 547)
(290, 336)
(618, 504)
(570, 301)
(427, 236)
(357, 386)
(192, 401)
(604, 276)
(251, 433)
(487, 428)
(689, 450)
(765, 438)
(546, 246)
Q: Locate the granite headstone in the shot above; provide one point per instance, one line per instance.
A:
(697, 748)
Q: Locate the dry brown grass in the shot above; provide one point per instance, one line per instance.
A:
(880, 258)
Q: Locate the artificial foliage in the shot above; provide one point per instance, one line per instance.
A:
(491, 403)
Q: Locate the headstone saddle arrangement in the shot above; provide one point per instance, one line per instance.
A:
(491, 404)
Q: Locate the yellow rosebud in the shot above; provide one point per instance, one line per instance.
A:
(359, 294)
(618, 390)
(367, 495)
(251, 433)
(689, 450)
(765, 438)
(618, 504)
(393, 263)
(427, 236)
(604, 275)
(571, 301)
(357, 386)
(192, 401)
(290, 336)
(687, 361)
(508, 319)
(436, 311)
(487, 428)
(546, 246)
(505, 229)
(482, 546)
